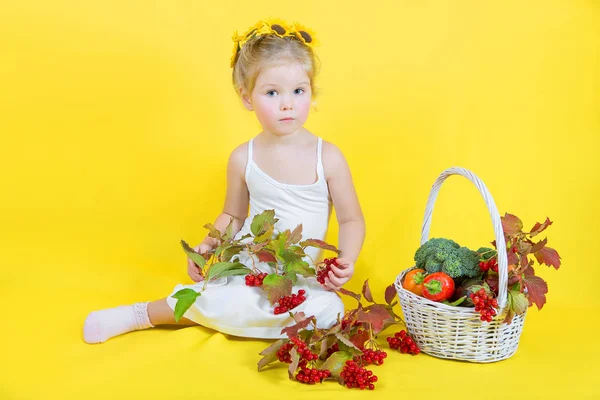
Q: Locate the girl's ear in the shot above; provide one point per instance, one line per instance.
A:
(245, 96)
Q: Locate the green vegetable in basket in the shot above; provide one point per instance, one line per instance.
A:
(445, 255)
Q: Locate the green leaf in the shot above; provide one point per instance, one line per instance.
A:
(336, 362)
(263, 222)
(185, 299)
(277, 287)
(231, 251)
(213, 232)
(293, 277)
(517, 301)
(293, 263)
(228, 231)
(221, 269)
(264, 236)
(320, 244)
(191, 253)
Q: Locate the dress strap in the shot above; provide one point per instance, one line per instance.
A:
(249, 162)
(320, 169)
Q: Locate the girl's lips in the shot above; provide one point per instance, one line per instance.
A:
(287, 119)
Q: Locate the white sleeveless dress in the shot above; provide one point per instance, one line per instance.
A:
(236, 309)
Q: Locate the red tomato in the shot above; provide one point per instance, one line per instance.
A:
(438, 286)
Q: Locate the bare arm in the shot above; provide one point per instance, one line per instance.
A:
(349, 214)
(236, 206)
(236, 199)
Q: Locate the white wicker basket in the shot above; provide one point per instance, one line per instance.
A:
(457, 332)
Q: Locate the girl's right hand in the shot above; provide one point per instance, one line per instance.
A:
(193, 269)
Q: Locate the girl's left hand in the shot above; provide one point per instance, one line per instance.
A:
(338, 276)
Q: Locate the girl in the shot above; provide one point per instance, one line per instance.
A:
(285, 168)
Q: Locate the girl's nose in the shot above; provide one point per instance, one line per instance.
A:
(286, 104)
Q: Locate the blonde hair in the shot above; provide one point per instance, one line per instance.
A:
(268, 50)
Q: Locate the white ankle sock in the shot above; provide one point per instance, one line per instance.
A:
(101, 325)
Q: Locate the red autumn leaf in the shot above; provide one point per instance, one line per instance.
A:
(538, 246)
(266, 256)
(320, 244)
(359, 339)
(292, 331)
(513, 259)
(390, 293)
(366, 291)
(536, 288)
(539, 228)
(375, 315)
(549, 257)
(511, 224)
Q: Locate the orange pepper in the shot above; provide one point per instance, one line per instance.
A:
(413, 281)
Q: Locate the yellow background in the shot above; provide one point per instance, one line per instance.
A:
(116, 121)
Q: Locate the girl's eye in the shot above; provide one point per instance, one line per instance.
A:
(298, 91)
(271, 93)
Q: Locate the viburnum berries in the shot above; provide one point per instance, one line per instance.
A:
(287, 303)
(369, 356)
(403, 341)
(255, 279)
(312, 375)
(355, 376)
(484, 304)
(323, 272)
(492, 264)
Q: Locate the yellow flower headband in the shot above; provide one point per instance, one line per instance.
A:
(272, 27)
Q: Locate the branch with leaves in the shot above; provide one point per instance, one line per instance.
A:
(352, 338)
(523, 250)
(284, 251)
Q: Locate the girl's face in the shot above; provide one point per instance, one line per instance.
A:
(281, 98)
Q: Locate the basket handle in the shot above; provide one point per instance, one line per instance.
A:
(499, 233)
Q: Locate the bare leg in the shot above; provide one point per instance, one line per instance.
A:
(160, 313)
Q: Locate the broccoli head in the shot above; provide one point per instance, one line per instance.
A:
(446, 255)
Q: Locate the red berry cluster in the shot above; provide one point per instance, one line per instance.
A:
(492, 264)
(346, 322)
(283, 354)
(404, 342)
(288, 302)
(255, 280)
(324, 272)
(484, 304)
(303, 351)
(332, 350)
(374, 357)
(312, 375)
(355, 376)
